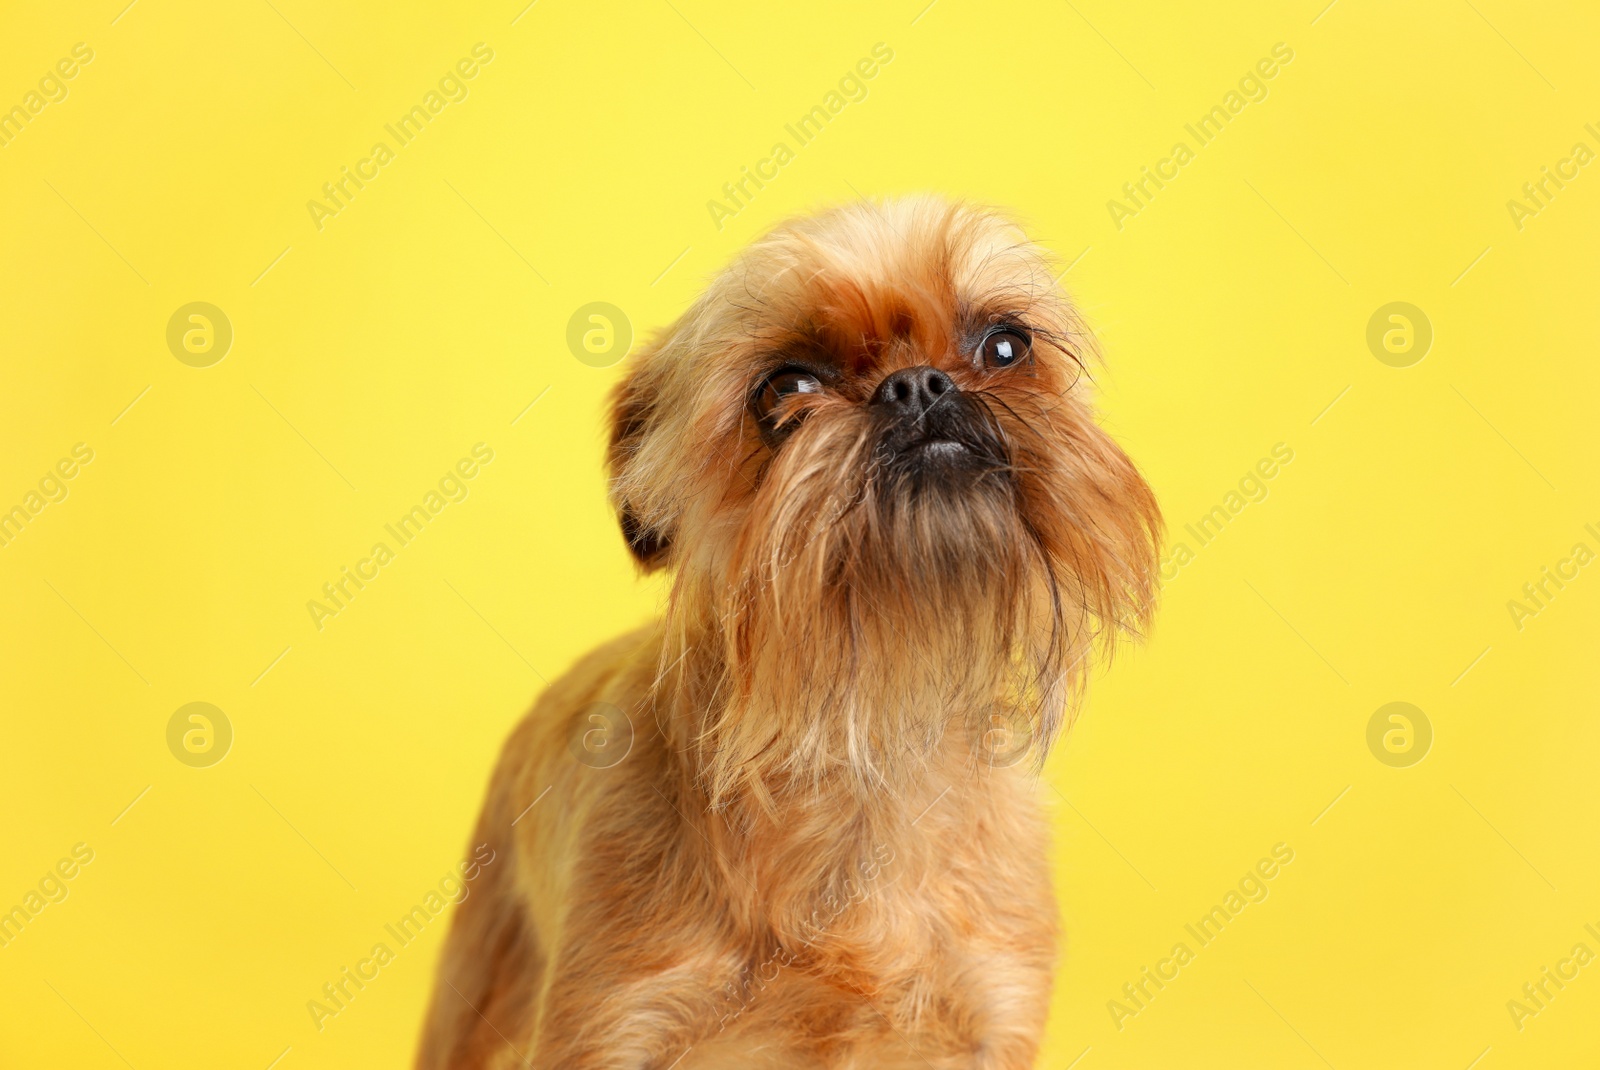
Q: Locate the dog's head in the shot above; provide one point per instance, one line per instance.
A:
(868, 452)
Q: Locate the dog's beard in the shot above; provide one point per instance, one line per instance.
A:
(889, 586)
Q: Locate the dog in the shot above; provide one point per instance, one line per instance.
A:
(794, 823)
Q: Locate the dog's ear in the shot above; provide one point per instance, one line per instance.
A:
(632, 419)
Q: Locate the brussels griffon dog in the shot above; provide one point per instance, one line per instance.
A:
(790, 824)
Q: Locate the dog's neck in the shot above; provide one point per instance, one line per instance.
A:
(843, 738)
(809, 859)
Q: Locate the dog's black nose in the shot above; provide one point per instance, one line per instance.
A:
(911, 392)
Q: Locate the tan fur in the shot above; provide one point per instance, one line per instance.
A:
(809, 856)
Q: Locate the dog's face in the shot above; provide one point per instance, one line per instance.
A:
(867, 452)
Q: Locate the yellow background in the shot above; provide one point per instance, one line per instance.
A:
(370, 355)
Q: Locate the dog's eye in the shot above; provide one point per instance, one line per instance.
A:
(781, 384)
(1002, 348)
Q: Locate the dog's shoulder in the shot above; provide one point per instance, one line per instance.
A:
(605, 672)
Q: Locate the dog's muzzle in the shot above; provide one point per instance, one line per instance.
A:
(930, 424)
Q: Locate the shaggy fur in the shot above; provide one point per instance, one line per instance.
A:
(818, 850)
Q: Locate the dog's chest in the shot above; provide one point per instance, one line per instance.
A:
(909, 954)
(900, 919)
